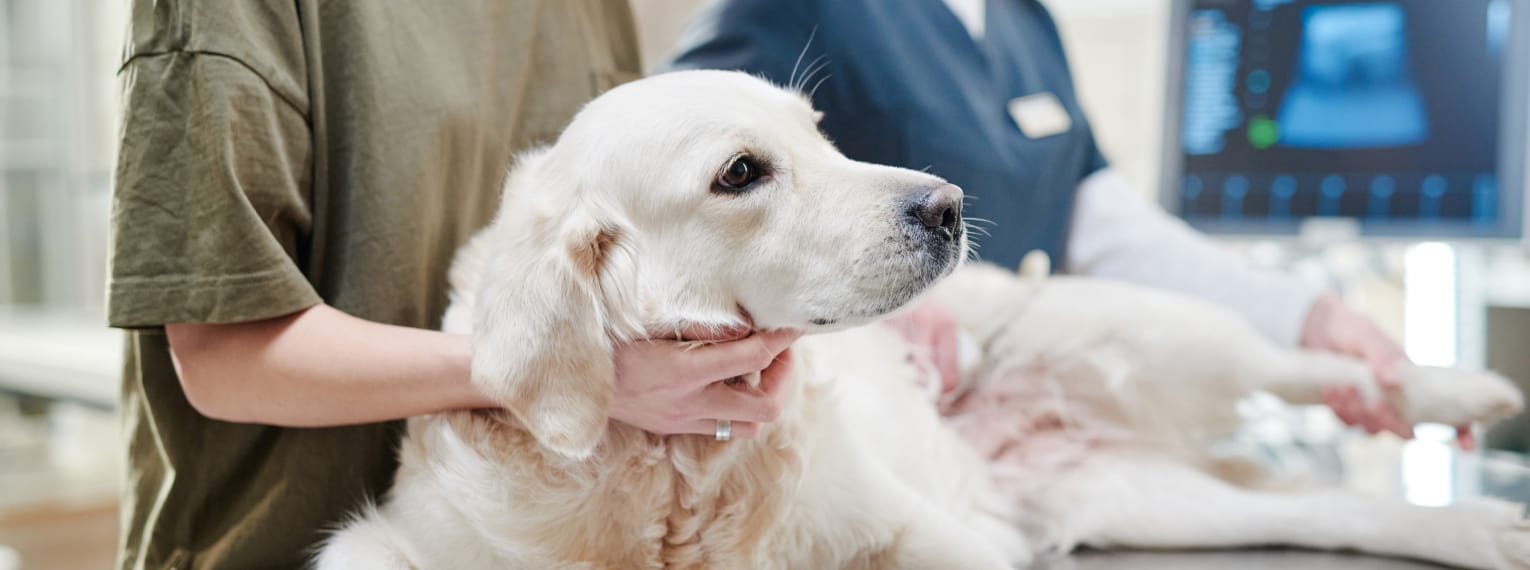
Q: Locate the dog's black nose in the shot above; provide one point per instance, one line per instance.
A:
(940, 210)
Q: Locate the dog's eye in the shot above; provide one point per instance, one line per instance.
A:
(739, 173)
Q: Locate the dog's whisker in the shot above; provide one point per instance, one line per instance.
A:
(792, 79)
(819, 84)
(807, 71)
(813, 67)
(975, 219)
(813, 72)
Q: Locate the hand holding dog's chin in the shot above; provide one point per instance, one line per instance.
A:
(1334, 327)
(675, 387)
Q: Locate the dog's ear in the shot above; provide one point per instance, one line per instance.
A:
(540, 345)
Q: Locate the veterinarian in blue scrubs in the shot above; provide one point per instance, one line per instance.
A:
(979, 92)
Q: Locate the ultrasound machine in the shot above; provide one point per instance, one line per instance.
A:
(1328, 125)
(1399, 118)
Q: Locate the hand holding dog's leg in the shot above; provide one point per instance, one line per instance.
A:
(1333, 327)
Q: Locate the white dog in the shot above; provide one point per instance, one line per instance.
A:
(1095, 402)
(710, 197)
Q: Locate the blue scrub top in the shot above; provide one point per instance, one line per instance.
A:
(908, 86)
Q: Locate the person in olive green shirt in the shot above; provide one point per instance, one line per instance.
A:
(293, 180)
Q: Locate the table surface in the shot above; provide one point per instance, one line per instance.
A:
(1270, 559)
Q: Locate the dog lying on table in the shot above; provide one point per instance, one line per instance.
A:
(707, 198)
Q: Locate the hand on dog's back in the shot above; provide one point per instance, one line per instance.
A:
(675, 387)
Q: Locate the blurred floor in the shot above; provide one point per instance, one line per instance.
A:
(58, 486)
(61, 537)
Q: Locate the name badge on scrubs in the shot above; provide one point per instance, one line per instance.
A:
(1040, 115)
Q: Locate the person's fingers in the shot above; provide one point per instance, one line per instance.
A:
(1385, 370)
(1379, 419)
(1392, 422)
(776, 378)
(1355, 407)
(710, 363)
(1466, 438)
(738, 403)
(1370, 425)
(1383, 355)
(708, 427)
(1331, 397)
(743, 430)
(1338, 400)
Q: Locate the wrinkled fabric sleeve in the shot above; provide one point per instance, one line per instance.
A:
(210, 206)
(1118, 234)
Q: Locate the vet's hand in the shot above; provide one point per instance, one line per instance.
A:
(1334, 327)
(931, 327)
(668, 387)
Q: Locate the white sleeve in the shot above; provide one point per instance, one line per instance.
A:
(1119, 235)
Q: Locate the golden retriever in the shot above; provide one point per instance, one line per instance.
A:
(638, 220)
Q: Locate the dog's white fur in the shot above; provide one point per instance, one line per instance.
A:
(1096, 401)
(615, 233)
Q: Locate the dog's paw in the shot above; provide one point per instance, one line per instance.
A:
(1457, 397)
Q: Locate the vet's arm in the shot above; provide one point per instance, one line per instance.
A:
(320, 367)
(1118, 234)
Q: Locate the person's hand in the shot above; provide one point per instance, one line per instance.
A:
(1336, 328)
(931, 328)
(674, 387)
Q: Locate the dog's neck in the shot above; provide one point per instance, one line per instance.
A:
(701, 483)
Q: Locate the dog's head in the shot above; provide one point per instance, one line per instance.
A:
(690, 198)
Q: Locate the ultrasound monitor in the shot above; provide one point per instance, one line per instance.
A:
(1405, 116)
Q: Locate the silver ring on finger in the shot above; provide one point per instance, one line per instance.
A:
(724, 430)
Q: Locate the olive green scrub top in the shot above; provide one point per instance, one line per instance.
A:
(280, 154)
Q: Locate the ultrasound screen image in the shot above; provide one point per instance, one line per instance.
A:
(1385, 111)
(1354, 87)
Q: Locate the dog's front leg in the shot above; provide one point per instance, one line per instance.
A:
(1425, 394)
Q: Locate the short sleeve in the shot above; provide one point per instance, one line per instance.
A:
(210, 206)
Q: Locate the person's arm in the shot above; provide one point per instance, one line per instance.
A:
(322, 367)
(1118, 234)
